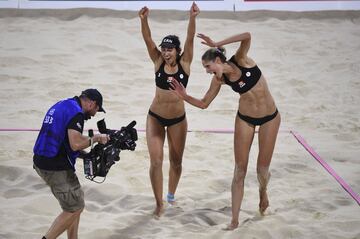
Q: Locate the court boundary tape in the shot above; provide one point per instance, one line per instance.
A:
(326, 166)
(297, 136)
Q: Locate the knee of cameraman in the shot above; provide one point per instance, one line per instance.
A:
(59, 143)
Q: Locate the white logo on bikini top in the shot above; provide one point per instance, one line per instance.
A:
(169, 79)
(181, 76)
(248, 74)
(242, 84)
(159, 74)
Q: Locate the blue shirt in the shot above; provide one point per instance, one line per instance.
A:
(52, 150)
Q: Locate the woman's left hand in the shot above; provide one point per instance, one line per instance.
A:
(178, 89)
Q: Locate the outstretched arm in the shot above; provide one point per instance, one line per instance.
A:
(243, 38)
(154, 53)
(203, 103)
(189, 43)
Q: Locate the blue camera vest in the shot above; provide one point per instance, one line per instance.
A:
(53, 130)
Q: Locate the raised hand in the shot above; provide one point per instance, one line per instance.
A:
(194, 10)
(144, 12)
(206, 40)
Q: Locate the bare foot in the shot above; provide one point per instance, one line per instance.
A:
(232, 226)
(159, 210)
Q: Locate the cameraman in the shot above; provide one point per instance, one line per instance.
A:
(59, 143)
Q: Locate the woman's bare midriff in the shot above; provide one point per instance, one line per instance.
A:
(167, 104)
(258, 101)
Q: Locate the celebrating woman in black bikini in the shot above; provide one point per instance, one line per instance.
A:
(167, 111)
(256, 107)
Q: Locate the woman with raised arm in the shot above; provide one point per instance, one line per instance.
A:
(256, 108)
(166, 115)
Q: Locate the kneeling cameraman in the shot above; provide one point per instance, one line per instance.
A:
(59, 143)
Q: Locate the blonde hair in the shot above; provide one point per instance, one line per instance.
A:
(212, 53)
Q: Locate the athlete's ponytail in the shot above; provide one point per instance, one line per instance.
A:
(212, 53)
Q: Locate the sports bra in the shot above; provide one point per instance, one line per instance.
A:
(248, 79)
(162, 79)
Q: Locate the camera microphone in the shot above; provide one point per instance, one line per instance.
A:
(131, 125)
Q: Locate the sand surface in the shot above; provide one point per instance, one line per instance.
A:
(312, 65)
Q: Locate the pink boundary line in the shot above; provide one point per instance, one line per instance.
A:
(331, 171)
(17, 130)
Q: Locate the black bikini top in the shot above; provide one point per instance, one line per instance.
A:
(163, 79)
(249, 77)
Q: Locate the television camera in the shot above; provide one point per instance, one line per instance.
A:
(102, 156)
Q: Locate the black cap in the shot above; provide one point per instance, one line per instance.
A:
(94, 94)
(170, 41)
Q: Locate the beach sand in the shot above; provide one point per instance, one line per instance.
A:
(312, 65)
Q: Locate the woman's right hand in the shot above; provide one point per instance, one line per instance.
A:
(144, 12)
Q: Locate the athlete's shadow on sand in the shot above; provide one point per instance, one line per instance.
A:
(149, 225)
(135, 230)
(200, 217)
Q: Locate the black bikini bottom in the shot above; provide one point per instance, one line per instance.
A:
(257, 121)
(167, 122)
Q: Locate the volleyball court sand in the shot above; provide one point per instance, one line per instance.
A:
(312, 66)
